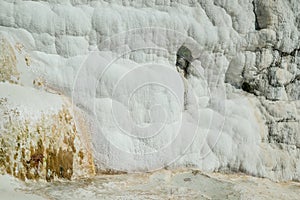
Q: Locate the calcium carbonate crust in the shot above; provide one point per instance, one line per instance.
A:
(249, 48)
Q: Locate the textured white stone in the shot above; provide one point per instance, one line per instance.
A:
(69, 46)
(245, 45)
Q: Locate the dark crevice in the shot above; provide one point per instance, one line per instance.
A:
(285, 120)
(297, 78)
(266, 74)
(247, 87)
(250, 88)
(284, 54)
(257, 27)
(273, 136)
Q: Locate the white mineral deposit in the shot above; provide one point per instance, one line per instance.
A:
(149, 99)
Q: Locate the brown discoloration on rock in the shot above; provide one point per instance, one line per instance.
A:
(39, 82)
(19, 47)
(45, 149)
(8, 62)
(27, 60)
(59, 164)
(81, 125)
(81, 156)
(111, 172)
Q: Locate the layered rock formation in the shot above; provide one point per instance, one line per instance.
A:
(233, 106)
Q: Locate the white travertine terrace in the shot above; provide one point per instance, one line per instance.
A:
(244, 79)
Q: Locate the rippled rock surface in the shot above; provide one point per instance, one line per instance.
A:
(105, 86)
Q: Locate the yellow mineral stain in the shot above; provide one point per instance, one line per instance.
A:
(8, 62)
(19, 47)
(44, 149)
(27, 60)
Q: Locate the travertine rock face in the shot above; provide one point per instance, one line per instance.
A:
(39, 141)
(234, 108)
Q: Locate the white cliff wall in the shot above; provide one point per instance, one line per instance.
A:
(235, 109)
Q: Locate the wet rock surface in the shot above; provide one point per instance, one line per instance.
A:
(162, 185)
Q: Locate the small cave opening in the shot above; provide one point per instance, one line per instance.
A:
(183, 60)
(247, 87)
